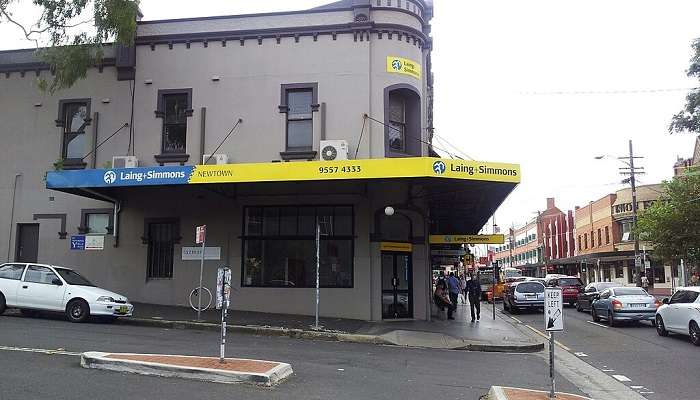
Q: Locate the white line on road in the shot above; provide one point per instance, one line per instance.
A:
(637, 387)
(622, 378)
(608, 370)
(646, 392)
(41, 351)
(581, 354)
(517, 320)
(597, 324)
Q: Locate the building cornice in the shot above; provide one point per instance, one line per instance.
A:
(39, 66)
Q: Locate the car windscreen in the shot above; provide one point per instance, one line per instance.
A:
(530, 287)
(73, 278)
(569, 282)
(630, 291)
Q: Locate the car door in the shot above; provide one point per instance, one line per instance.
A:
(672, 317)
(10, 275)
(686, 310)
(586, 298)
(38, 289)
(601, 305)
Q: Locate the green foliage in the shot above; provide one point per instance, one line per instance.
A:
(688, 120)
(672, 224)
(71, 51)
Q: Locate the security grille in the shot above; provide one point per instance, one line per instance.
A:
(161, 248)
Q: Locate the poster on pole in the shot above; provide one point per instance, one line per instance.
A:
(553, 310)
(200, 234)
(223, 288)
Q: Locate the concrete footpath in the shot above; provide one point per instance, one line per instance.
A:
(460, 334)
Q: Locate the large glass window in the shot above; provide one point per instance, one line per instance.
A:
(175, 123)
(279, 246)
(300, 129)
(75, 118)
(626, 230)
(397, 122)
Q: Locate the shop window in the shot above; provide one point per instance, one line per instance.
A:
(162, 234)
(299, 102)
(626, 230)
(658, 274)
(402, 114)
(73, 118)
(619, 272)
(279, 246)
(174, 106)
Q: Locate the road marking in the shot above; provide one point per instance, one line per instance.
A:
(537, 331)
(597, 324)
(519, 321)
(341, 369)
(608, 370)
(637, 387)
(41, 351)
(646, 392)
(581, 354)
(622, 378)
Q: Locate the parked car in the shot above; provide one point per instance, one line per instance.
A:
(584, 300)
(570, 286)
(619, 304)
(33, 287)
(681, 314)
(522, 295)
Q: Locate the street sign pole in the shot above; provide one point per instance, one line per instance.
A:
(552, 393)
(553, 322)
(318, 266)
(493, 285)
(203, 237)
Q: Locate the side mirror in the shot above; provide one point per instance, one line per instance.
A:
(56, 282)
(665, 300)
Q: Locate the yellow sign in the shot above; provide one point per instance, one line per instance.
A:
(468, 239)
(409, 167)
(396, 246)
(398, 65)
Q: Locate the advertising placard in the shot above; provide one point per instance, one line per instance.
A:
(94, 242)
(77, 242)
(200, 234)
(223, 287)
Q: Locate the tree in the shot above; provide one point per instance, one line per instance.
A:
(672, 224)
(688, 120)
(69, 42)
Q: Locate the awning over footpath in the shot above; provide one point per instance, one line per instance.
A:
(461, 194)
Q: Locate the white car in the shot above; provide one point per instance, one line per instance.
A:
(32, 287)
(681, 314)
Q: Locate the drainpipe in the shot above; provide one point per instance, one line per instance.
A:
(12, 216)
(117, 210)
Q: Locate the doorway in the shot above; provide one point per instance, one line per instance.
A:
(27, 249)
(397, 285)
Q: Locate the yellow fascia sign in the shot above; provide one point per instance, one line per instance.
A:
(382, 168)
(400, 65)
(467, 239)
(396, 246)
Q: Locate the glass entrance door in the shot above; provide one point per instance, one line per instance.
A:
(397, 292)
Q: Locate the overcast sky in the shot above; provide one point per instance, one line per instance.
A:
(500, 68)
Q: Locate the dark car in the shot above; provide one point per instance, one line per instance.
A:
(522, 295)
(584, 300)
(570, 286)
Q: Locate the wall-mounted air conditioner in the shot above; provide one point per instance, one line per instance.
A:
(125, 162)
(332, 150)
(214, 159)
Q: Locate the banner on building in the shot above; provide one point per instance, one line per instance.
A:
(467, 239)
(400, 65)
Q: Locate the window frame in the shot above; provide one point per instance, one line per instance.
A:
(285, 89)
(164, 157)
(402, 124)
(29, 266)
(72, 162)
(262, 236)
(21, 274)
(84, 228)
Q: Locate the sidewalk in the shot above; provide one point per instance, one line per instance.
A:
(459, 334)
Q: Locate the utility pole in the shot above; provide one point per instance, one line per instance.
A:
(633, 171)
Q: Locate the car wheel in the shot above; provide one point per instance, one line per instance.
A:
(694, 333)
(594, 315)
(3, 305)
(514, 310)
(611, 319)
(77, 310)
(572, 303)
(578, 307)
(660, 327)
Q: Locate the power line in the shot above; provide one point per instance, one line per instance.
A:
(622, 91)
(453, 146)
(409, 136)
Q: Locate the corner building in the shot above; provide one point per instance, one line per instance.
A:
(126, 187)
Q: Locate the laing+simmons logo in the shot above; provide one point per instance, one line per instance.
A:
(110, 177)
(396, 64)
(439, 167)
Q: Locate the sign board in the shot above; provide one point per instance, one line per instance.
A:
(223, 287)
(638, 261)
(553, 309)
(400, 65)
(195, 253)
(200, 234)
(94, 242)
(454, 252)
(77, 242)
(468, 239)
(396, 246)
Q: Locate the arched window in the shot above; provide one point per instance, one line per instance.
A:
(402, 113)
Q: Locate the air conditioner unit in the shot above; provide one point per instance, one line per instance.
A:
(125, 162)
(332, 150)
(214, 159)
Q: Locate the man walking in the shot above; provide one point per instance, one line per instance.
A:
(474, 294)
(454, 289)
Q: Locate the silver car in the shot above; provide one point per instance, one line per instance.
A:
(624, 304)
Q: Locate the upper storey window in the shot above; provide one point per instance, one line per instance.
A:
(73, 118)
(300, 129)
(397, 123)
(402, 113)
(174, 106)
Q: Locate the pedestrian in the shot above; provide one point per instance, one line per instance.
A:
(440, 297)
(474, 294)
(453, 287)
(645, 282)
(463, 286)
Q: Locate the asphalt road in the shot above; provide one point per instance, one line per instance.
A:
(657, 367)
(322, 370)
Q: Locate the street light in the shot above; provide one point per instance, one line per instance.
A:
(633, 171)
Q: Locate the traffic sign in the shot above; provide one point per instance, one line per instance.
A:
(553, 309)
(200, 234)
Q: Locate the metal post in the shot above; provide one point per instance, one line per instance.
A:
(318, 266)
(634, 215)
(201, 272)
(552, 394)
(224, 310)
(493, 288)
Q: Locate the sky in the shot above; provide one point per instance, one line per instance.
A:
(508, 81)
